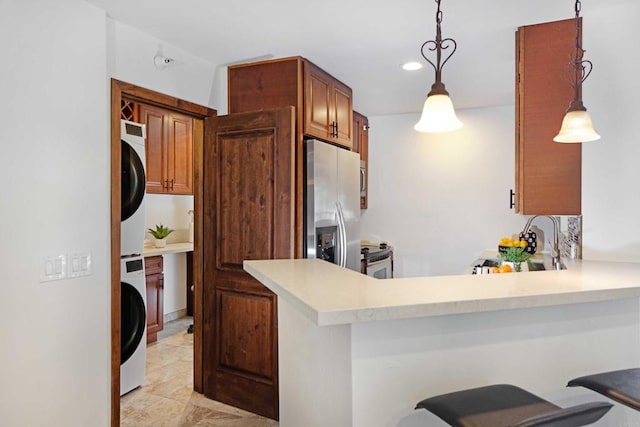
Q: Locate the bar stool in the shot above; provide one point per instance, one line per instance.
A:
(623, 386)
(505, 405)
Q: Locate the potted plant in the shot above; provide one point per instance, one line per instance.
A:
(160, 233)
(515, 256)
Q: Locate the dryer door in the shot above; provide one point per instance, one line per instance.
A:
(133, 320)
(133, 181)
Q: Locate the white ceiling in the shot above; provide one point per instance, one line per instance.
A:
(361, 42)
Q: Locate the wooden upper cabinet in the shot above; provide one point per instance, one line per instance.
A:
(328, 110)
(169, 150)
(324, 105)
(548, 174)
(361, 146)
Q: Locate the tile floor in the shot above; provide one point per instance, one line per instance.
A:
(167, 397)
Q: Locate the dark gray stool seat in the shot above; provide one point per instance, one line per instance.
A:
(622, 386)
(505, 405)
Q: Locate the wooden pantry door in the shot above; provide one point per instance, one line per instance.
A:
(248, 214)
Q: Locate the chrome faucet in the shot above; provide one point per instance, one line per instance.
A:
(555, 256)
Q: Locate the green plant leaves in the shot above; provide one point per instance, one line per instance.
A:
(160, 232)
(515, 255)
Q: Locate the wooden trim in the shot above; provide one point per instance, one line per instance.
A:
(200, 132)
(116, 153)
(120, 90)
(148, 96)
(300, 160)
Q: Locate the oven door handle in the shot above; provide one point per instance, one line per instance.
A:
(380, 261)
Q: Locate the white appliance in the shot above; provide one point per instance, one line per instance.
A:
(133, 181)
(332, 204)
(133, 323)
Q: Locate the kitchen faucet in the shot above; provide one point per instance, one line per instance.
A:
(555, 257)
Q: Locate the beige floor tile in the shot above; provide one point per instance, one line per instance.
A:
(167, 399)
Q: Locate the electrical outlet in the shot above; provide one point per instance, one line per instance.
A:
(53, 267)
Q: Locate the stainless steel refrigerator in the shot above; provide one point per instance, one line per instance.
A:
(332, 204)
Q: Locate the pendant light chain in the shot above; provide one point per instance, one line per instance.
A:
(581, 68)
(437, 46)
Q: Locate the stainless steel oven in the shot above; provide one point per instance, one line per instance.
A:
(377, 261)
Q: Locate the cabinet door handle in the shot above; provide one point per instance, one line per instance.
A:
(166, 184)
(161, 282)
(512, 202)
(172, 185)
(334, 129)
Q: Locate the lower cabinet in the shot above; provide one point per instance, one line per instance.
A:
(155, 288)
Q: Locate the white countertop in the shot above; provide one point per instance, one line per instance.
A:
(330, 295)
(171, 248)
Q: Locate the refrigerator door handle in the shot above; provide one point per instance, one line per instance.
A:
(338, 243)
(342, 233)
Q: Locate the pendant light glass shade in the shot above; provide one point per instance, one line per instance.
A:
(576, 127)
(438, 115)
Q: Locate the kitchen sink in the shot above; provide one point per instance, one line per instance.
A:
(537, 265)
(490, 263)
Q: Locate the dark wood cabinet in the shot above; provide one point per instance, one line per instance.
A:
(328, 111)
(548, 174)
(169, 150)
(155, 296)
(325, 106)
(361, 146)
(279, 83)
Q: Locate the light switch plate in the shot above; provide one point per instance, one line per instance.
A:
(79, 264)
(53, 267)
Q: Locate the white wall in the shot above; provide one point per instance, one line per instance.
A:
(55, 358)
(132, 51)
(610, 174)
(171, 211)
(441, 199)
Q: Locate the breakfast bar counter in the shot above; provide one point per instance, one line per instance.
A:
(358, 351)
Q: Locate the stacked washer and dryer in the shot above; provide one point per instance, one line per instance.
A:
(133, 314)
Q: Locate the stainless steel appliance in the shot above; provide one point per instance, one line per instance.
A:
(377, 261)
(363, 178)
(332, 204)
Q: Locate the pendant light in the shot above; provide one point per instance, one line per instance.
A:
(576, 125)
(438, 114)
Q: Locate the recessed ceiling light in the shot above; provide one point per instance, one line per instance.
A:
(411, 66)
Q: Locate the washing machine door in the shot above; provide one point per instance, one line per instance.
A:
(133, 320)
(133, 181)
